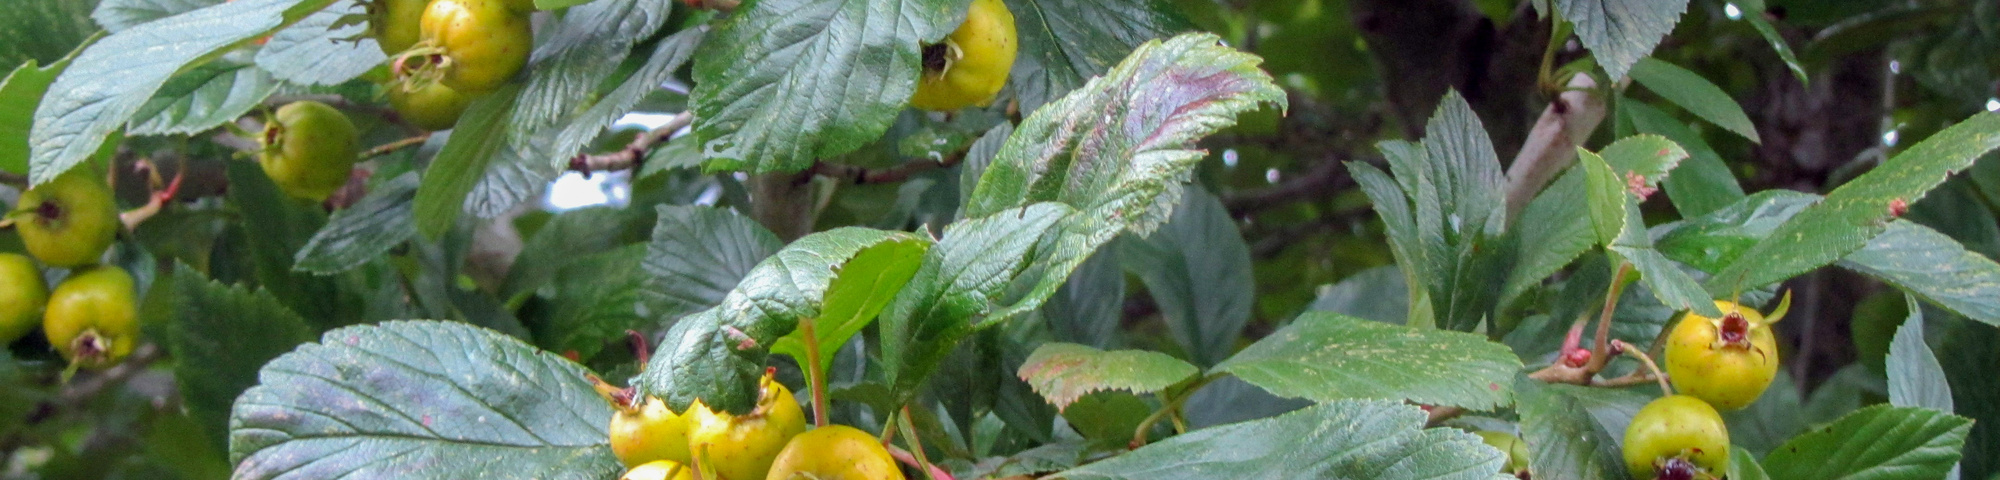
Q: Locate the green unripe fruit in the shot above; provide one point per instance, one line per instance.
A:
(430, 107)
(93, 317)
(1676, 427)
(69, 221)
(309, 149)
(22, 296)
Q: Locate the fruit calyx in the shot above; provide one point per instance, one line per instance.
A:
(1733, 330)
(1677, 468)
(91, 348)
(938, 57)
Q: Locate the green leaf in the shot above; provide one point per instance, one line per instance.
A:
(203, 98)
(1080, 181)
(1606, 193)
(1933, 267)
(667, 56)
(1120, 144)
(1573, 431)
(1197, 268)
(716, 355)
(220, 336)
(1064, 43)
(1089, 307)
(1376, 294)
(1694, 93)
(852, 63)
(1713, 240)
(983, 272)
(420, 399)
(118, 15)
(547, 124)
(1553, 230)
(593, 300)
(20, 92)
(1620, 32)
(1743, 465)
(319, 50)
(112, 79)
(44, 31)
(1901, 442)
(1063, 372)
(1779, 45)
(1915, 377)
(276, 227)
(698, 254)
(1324, 357)
(573, 56)
(1343, 439)
(1859, 210)
(1648, 157)
(1703, 182)
(378, 222)
(569, 236)
(475, 140)
(864, 285)
(1447, 215)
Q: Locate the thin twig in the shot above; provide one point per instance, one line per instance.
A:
(1601, 349)
(863, 175)
(1327, 178)
(386, 148)
(634, 154)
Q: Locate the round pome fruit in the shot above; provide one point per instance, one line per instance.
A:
(742, 447)
(970, 65)
(22, 296)
(649, 433)
(472, 46)
(1517, 450)
(659, 470)
(309, 149)
(69, 221)
(1726, 361)
(395, 23)
(1676, 427)
(92, 317)
(431, 106)
(836, 452)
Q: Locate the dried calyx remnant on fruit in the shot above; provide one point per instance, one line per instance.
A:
(93, 317)
(1676, 437)
(471, 46)
(1726, 361)
(69, 221)
(309, 149)
(971, 65)
(743, 447)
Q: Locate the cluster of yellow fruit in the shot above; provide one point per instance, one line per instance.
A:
(446, 52)
(91, 317)
(1716, 364)
(769, 443)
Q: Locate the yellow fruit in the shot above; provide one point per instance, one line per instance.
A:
(480, 43)
(1676, 427)
(972, 63)
(1726, 361)
(430, 107)
(395, 23)
(22, 296)
(650, 433)
(309, 149)
(69, 221)
(93, 317)
(743, 447)
(659, 470)
(836, 452)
